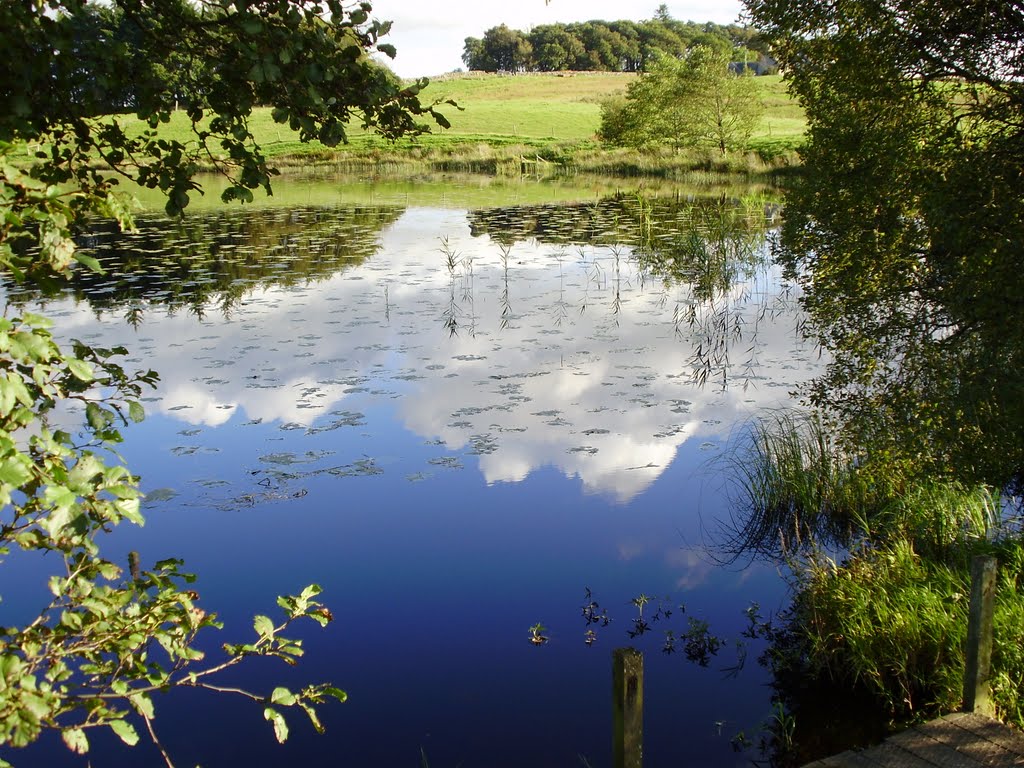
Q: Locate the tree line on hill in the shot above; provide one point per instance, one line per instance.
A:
(611, 46)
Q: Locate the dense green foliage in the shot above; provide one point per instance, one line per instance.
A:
(907, 227)
(695, 101)
(906, 231)
(105, 642)
(616, 46)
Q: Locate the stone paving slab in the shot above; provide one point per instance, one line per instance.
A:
(955, 741)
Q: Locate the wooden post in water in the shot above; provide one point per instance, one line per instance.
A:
(627, 708)
(977, 692)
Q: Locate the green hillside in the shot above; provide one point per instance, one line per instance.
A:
(551, 113)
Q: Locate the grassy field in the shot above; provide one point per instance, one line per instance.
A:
(783, 124)
(503, 118)
(559, 106)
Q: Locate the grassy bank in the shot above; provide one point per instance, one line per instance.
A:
(534, 124)
(876, 632)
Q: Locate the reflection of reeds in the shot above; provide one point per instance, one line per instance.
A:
(616, 252)
(506, 304)
(467, 293)
(561, 308)
(586, 283)
(450, 317)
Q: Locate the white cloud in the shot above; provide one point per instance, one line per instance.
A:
(600, 393)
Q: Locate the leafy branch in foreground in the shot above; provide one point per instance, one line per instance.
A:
(105, 643)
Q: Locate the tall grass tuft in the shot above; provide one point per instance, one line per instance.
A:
(891, 622)
(884, 623)
(796, 487)
(945, 521)
(793, 487)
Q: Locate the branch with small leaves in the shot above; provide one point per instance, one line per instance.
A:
(104, 644)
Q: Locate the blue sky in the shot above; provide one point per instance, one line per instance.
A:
(429, 36)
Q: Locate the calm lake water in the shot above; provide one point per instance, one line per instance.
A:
(456, 409)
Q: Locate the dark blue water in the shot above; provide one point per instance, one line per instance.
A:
(455, 432)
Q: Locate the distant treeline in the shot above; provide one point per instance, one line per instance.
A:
(611, 46)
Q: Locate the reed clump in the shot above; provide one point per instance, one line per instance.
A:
(891, 621)
(880, 570)
(794, 486)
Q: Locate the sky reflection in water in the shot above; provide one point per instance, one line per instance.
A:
(454, 437)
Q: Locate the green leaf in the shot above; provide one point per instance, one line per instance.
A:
(14, 471)
(282, 697)
(313, 717)
(311, 591)
(12, 390)
(125, 731)
(96, 416)
(88, 261)
(252, 26)
(75, 740)
(337, 693)
(136, 412)
(280, 726)
(264, 626)
(143, 705)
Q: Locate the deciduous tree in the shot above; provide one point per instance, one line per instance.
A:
(906, 227)
(695, 101)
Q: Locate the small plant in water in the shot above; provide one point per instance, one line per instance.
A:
(593, 613)
(700, 645)
(536, 634)
(640, 624)
(670, 642)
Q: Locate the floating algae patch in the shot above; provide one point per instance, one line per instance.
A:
(482, 444)
(158, 495)
(341, 419)
(360, 468)
(288, 459)
(448, 462)
(192, 450)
